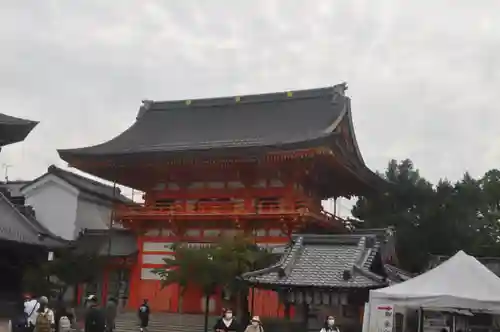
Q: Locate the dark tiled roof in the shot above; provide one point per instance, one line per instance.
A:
(396, 275)
(13, 130)
(18, 227)
(276, 122)
(325, 261)
(249, 126)
(87, 185)
(14, 187)
(123, 242)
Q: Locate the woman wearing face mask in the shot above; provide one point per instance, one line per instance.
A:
(330, 325)
(255, 325)
(227, 323)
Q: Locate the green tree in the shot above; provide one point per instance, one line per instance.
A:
(403, 206)
(236, 256)
(191, 267)
(68, 268)
(217, 266)
(440, 219)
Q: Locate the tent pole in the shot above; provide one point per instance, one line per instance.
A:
(420, 318)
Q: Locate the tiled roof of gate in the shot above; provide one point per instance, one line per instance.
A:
(330, 261)
(277, 121)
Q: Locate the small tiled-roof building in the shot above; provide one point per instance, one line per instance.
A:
(321, 274)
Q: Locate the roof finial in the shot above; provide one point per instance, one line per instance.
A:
(340, 88)
(146, 105)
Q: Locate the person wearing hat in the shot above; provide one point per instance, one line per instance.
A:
(95, 321)
(255, 325)
(227, 323)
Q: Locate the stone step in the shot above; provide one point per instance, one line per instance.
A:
(164, 322)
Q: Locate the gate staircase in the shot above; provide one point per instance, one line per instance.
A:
(164, 322)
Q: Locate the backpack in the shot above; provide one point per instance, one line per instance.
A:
(64, 323)
(43, 323)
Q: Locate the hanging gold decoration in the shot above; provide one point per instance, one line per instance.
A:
(289, 94)
(188, 102)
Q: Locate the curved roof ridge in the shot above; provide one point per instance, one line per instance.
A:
(153, 105)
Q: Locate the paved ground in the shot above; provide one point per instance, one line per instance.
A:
(3, 326)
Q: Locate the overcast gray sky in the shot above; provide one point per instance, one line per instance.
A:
(424, 75)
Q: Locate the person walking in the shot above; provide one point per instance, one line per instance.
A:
(95, 321)
(144, 315)
(329, 325)
(111, 311)
(64, 318)
(227, 323)
(255, 325)
(31, 306)
(45, 320)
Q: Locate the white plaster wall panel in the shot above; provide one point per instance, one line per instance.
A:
(261, 232)
(215, 185)
(92, 215)
(212, 232)
(148, 274)
(154, 259)
(193, 232)
(167, 232)
(235, 184)
(275, 232)
(153, 232)
(55, 203)
(157, 246)
(173, 186)
(276, 183)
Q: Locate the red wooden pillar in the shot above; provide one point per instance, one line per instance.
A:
(134, 299)
(105, 280)
(79, 293)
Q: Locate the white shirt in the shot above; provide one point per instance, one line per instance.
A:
(30, 308)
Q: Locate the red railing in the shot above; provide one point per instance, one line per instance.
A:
(217, 208)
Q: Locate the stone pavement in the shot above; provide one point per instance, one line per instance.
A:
(4, 325)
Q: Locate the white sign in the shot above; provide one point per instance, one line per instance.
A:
(50, 258)
(384, 315)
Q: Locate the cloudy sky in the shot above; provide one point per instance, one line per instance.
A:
(424, 76)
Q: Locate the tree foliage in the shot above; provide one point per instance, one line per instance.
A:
(215, 267)
(435, 219)
(68, 268)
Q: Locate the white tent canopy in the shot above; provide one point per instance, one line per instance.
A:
(461, 282)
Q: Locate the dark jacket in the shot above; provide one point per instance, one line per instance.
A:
(233, 327)
(143, 312)
(111, 311)
(95, 320)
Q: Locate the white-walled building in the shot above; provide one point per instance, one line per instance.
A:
(66, 203)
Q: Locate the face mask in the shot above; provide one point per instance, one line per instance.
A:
(331, 322)
(228, 316)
